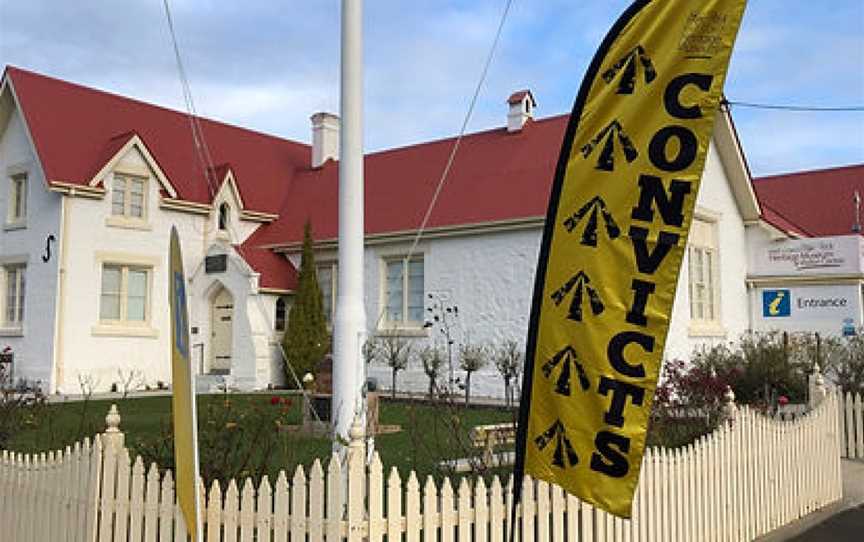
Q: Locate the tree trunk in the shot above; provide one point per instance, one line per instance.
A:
(393, 387)
(431, 388)
(507, 399)
(467, 388)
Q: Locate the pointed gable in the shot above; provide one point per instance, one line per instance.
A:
(74, 127)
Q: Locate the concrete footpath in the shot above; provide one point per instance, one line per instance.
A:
(839, 522)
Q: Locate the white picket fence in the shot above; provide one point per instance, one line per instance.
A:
(752, 475)
(851, 418)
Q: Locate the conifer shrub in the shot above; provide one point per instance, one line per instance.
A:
(306, 340)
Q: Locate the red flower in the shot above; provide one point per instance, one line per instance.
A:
(783, 400)
(274, 400)
(286, 401)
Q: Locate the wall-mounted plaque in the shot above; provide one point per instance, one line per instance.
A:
(216, 264)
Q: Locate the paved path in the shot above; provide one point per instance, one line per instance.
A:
(835, 523)
(845, 526)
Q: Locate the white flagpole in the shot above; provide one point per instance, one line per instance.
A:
(349, 329)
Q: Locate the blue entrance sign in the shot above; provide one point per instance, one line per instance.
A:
(776, 303)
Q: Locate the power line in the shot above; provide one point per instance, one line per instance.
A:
(205, 161)
(799, 108)
(456, 143)
(450, 159)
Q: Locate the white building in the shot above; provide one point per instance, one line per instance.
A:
(100, 179)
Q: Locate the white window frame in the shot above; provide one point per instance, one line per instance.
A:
(123, 326)
(123, 318)
(16, 214)
(329, 315)
(703, 250)
(17, 272)
(404, 323)
(126, 219)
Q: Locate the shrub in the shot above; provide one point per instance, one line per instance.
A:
(761, 366)
(18, 408)
(688, 403)
(234, 441)
(472, 358)
(393, 351)
(509, 359)
(306, 338)
(432, 359)
(845, 367)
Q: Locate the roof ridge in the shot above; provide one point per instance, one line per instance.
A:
(502, 129)
(10, 70)
(809, 172)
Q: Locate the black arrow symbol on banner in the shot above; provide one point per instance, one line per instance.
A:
(628, 77)
(558, 433)
(592, 208)
(564, 358)
(578, 283)
(606, 160)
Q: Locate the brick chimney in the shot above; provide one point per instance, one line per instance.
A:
(325, 138)
(522, 106)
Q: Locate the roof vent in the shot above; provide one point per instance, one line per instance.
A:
(325, 138)
(522, 106)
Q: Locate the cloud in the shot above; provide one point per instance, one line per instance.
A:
(268, 65)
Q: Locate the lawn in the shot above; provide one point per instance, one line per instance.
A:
(248, 434)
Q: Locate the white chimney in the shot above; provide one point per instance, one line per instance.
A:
(522, 106)
(325, 138)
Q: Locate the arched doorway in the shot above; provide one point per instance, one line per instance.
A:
(221, 329)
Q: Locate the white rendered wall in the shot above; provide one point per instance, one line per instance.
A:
(253, 362)
(88, 352)
(33, 347)
(715, 197)
(490, 277)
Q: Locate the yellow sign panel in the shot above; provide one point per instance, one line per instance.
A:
(617, 226)
(183, 396)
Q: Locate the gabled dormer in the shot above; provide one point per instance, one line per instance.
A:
(227, 205)
(132, 180)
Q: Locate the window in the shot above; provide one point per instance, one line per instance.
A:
(403, 291)
(127, 197)
(13, 298)
(281, 311)
(327, 284)
(703, 285)
(124, 297)
(17, 198)
(224, 216)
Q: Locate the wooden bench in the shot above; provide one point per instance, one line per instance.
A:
(488, 437)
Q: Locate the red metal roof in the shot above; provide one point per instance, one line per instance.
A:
(75, 129)
(813, 203)
(496, 176)
(275, 270)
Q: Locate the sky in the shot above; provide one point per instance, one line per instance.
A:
(270, 64)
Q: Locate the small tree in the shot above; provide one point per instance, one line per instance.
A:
(432, 358)
(443, 317)
(472, 358)
(393, 351)
(306, 338)
(847, 370)
(508, 358)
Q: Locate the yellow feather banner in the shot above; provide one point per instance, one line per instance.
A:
(619, 214)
